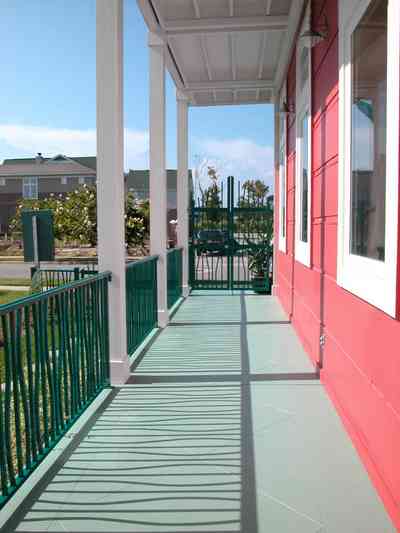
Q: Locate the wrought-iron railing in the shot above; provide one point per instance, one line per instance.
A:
(49, 278)
(54, 360)
(174, 275)
(141, 300)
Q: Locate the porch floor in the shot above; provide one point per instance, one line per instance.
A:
(223, 428)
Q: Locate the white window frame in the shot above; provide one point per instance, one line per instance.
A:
(282, 173)
(81, 180)
(64, 180)
(303, 108)
(371, 280)
(30, 187)
(2, 182)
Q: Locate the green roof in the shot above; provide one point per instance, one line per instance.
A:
(139, 179)
(87, 161)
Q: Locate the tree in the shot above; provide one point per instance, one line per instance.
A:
(211, 196)
(75, 217)
(255, 194)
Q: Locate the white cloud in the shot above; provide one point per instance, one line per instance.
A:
(242, 157)
(73, 142)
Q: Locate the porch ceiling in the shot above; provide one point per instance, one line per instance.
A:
(227, 51)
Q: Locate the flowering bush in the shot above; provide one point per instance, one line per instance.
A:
(75, 217)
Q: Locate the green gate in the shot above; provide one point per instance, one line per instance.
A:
(229, 235)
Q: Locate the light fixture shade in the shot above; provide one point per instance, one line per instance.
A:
(312, 38)
(285, 109)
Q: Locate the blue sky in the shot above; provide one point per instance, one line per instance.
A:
(47, 51)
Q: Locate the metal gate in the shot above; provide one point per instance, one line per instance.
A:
(226, 234)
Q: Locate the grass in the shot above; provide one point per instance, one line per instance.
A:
(15, 282)
(9, 296)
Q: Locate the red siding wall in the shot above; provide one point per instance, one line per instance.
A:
(361, 356)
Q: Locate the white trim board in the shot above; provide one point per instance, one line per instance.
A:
(372, 280)
(303, 110)
(282, 172)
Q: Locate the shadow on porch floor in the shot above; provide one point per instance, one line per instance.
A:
(223, 428)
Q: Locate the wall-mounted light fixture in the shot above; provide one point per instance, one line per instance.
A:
(314, 36)
(286, 109)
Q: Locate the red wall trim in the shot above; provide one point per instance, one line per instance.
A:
(361, 362)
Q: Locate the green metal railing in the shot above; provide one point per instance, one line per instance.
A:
(54, 360)
(174, 275)
(141, 300)
(54, 277)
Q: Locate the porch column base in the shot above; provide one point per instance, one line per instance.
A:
(163, 318)
(119, 372)
(185, 291)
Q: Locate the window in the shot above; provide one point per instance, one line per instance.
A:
(2, 182)
(304, 178)
(303, 149)
(64, 180)
(282, 176)
(81, 180)
(369, 153)
(30, 188)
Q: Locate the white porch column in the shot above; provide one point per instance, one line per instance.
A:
(183, 187)
(277, 193)
(110, 176)
(158, 175)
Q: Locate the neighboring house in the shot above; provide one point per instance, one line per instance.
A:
(138, 182)
(33, 178)
(38, 177)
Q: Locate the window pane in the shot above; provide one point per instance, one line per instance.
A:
(304, 63)
(282, 171)
(368, 136)
(283, 190)
(304, 180)
(30, 188)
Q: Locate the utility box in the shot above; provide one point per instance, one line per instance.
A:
(43, 235)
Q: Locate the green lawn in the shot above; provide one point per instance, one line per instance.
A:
(9, 296)
(15, 282)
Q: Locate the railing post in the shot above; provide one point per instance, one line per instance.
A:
(183, 187)
(110, 176)
(158, 181)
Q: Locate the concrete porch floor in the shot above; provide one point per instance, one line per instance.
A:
(223, 428)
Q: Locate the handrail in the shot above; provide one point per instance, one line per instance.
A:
(141, 300)
(174, 275)
(170, 250)
(141, 261)
(22, 302)
(54, 361)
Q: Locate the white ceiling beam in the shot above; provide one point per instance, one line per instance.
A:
(236, 102)
(204, 25)
(233, 55)
(196, 8)
(205, 56)
(171, 63)
(207, 62)
(149, 15)
(268, 7)
(231, 8)
(231, 85)
(261, 57)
